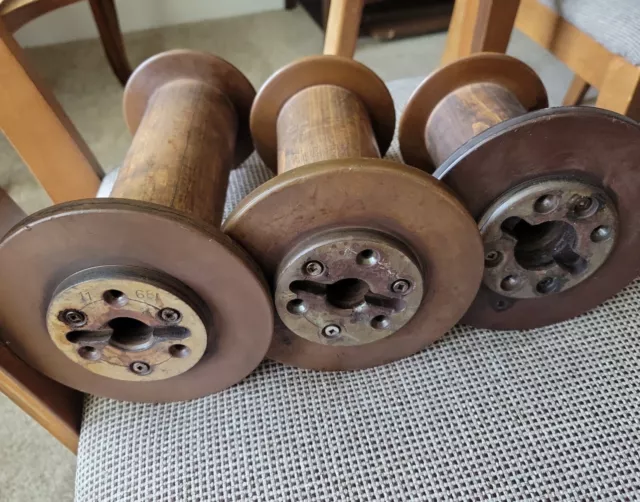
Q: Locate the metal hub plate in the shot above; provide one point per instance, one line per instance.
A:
(546, 237)
(49, 246)
(127, 323)
(589, 145)
(348, 287)
(369, 194)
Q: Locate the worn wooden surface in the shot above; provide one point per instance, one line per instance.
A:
(479, 26)
(40, 131)
(10, 213)
(576, 92)
(17, 13)
(343, 26)
(466, 112)
(182, 151)
(106, 18)
(313, 71)
(522, 82)
(323, 122)
(620, 89)
(56, 407)
(615, 78)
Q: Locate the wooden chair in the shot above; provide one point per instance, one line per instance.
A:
(576, 32)
(56, 407)
(31, 117)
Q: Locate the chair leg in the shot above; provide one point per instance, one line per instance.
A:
(40, 131)
(576, 92)
(620, 90)
(479, 26)
(343, 27)
(106, 17)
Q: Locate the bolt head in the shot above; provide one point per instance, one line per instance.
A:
(313, 268)
(115, 298)
(331, 331)
(179, 350)
(546, 204)
(140, 368)
(401, 286)
(380, 322)
(367, 258)
(601, 233)
(297, 306)
(170, 316)
(510, 283)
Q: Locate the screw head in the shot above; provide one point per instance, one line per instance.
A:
(492, 258)
(89, 353)
(546, 204)
(547, 285)
(367, 258)
(73, 318)
(179, 350)
(601, 233)
(510, 283)
(380, 322)
(313, 268)
(585, 207)
(331, 331)
(140, 368)
(297, 306)
(170, 316)
(401, 286)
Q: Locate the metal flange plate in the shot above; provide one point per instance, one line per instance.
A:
(369, 194)
(46, 248)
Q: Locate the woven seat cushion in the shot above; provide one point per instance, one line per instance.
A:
(613, 23)
(548, 414)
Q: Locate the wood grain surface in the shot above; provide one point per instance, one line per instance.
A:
(182, 151)
(56, 407)
(42, 134)
(323, 122)
(466, 112)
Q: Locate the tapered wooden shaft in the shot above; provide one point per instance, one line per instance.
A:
(182, 151)
(465, 113)
(323, 122)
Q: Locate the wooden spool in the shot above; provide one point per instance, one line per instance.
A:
(370, 260)
(552, 189)
(143, 292)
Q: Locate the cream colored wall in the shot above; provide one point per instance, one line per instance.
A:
(75, 22)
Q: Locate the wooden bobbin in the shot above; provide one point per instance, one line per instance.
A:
(370, 260)
(141, 297)
(553, 189)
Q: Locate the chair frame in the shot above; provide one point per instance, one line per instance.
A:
(30, 116)
(38, 128)
(486, 25)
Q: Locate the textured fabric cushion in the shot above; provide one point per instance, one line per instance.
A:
(548, 414)
(613, 23)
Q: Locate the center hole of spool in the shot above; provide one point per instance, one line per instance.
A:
(347, 293)
(130, 334)
(543, 245)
